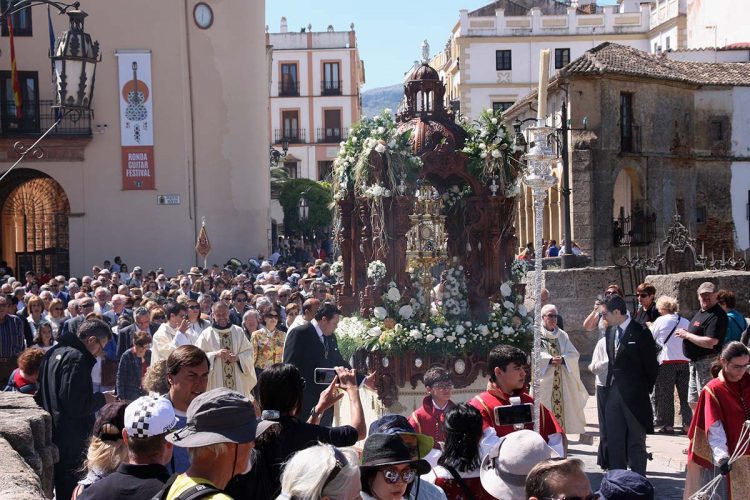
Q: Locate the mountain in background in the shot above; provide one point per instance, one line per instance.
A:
(376, 100)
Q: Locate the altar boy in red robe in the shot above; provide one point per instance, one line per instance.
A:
(430, 418)
(507, 367)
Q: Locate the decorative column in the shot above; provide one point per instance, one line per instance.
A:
(539, 179)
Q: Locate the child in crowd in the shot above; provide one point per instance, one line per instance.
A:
(430, 418)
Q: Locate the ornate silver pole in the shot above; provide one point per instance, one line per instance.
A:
(539, 178)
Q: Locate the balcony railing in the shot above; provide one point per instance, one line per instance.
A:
(288, 89)
(292, 136)
(637, 229)
(38, 116)
(330, 135)
(330, 87)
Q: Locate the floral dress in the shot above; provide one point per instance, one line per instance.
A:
(268, 347)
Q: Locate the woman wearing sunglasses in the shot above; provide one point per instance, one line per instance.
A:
(388, 469)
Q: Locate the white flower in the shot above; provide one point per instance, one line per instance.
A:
(392, 143)
(387, 111)
(430, 338)
(467, 324)
(450, 338)
(508, 330)
(462, 341)
(522, 311)
(438, 332)
(494, 121)
(505, 290)
(495, 335)
(483, 330)
(483, 133)
(415, 334)
(380, 313)
(354, 139)
(380, 148)
(393, 294)
(381, 130)
(374, 332)
(446, 294)
(483, 154)
(509, 305)
(496, 153)
(433, 311)
(490, 110)
(482, 145)
(406, 312)
(459, 330)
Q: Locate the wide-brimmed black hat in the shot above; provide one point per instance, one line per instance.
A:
(389, 449)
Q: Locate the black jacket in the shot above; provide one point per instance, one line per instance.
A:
(129, 482)
(304, 350)
(125, 337)
(634, 368)
(67, 393)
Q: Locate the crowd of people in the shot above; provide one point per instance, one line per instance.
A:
(204, 383)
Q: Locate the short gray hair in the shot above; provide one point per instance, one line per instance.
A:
(305, 474)
(548, 308)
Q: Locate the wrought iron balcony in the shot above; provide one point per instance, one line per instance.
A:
(289, 89)
(330, 135)
(637, 229)
(330, 87)
(291, 135)
(38, 116)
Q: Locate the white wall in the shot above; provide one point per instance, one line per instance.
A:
(730, 17)
(660, 39)
(741, 169)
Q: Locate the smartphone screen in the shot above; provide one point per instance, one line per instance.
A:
(324, 376)
(514, 414)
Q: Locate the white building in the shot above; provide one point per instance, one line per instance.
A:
(316, 79)
(492, 57)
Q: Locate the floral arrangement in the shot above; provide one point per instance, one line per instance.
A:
(518, 270)
(453, 196)
(489, 146)
(396, 326)
(376, 270)
(337, 268)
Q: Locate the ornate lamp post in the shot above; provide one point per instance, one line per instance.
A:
(426, 241)
(539, 178)
(74, 60)
(276, 156)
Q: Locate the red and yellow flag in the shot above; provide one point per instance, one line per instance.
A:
(14, 73)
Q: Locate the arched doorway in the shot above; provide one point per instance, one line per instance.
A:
(34, 223)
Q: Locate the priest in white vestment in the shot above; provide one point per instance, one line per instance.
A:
(166, 339)
(560, 387)
(229, 352)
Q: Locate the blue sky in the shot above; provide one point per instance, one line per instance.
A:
(389, 32)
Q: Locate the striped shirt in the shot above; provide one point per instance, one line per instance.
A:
(12, 341)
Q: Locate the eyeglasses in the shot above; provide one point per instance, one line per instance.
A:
(392, 476)
(283, 295)
(88, 304)
(610, 293)
(240, 300)
(272, 316)
(551, 316)
(194, 308)
(443, 385)
(160, 317)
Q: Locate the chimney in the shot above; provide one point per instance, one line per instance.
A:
(284, 27)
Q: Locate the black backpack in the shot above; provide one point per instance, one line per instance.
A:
(193, 493)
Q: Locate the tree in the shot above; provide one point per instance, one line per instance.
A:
(279, 176)
(319, 201)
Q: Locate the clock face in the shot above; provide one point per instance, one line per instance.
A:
(203, 15)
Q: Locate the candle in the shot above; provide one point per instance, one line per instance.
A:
(658, 247)
(541, 113)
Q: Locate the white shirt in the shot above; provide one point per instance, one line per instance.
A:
(661, 328)
(622, 327)
(321, 335)
(599, 365)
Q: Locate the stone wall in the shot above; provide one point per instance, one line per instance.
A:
(684, 287)
(27, 454)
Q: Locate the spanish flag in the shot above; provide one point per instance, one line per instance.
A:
(14, 73)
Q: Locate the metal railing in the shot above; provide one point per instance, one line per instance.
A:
(330, 87)
(330, 135)
(38, 116)
(637, 229)
(292, 136)
(287, 89)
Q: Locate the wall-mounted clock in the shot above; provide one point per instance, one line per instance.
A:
(203, 15)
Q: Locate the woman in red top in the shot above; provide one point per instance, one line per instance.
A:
(457, 472)
(24, 378)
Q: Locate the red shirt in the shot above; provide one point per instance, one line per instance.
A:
(430, 421)
(488, 400)
(453, 489)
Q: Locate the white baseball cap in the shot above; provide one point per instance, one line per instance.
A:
(149, 416)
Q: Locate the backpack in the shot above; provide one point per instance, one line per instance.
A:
(193, 493)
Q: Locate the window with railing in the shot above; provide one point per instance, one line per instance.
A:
(325, 170)
(21, 21)
(331, 131)
(331, 83)
(289, 82)
(292, 169)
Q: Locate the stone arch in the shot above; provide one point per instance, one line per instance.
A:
(627, 192)
(34, 223)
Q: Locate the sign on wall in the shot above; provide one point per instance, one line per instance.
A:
(136, 120)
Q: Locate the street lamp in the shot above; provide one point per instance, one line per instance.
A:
(303, 209)
(74, 69)
(276, 156)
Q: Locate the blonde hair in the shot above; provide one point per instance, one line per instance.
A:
(305, 474)
(215, 450)
(668, 304)
(155, 379)
(105, 456)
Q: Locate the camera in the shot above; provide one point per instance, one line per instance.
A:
(324, 376)
(516, 413)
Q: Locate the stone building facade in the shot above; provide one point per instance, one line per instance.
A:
(659, 139)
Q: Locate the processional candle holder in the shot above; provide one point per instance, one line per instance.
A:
(426, 241)
(538, 177)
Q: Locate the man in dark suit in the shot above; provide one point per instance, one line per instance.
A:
(142, 323)
(633, 367)
(313, 345)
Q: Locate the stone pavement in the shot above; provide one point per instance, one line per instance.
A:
(666, 471)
